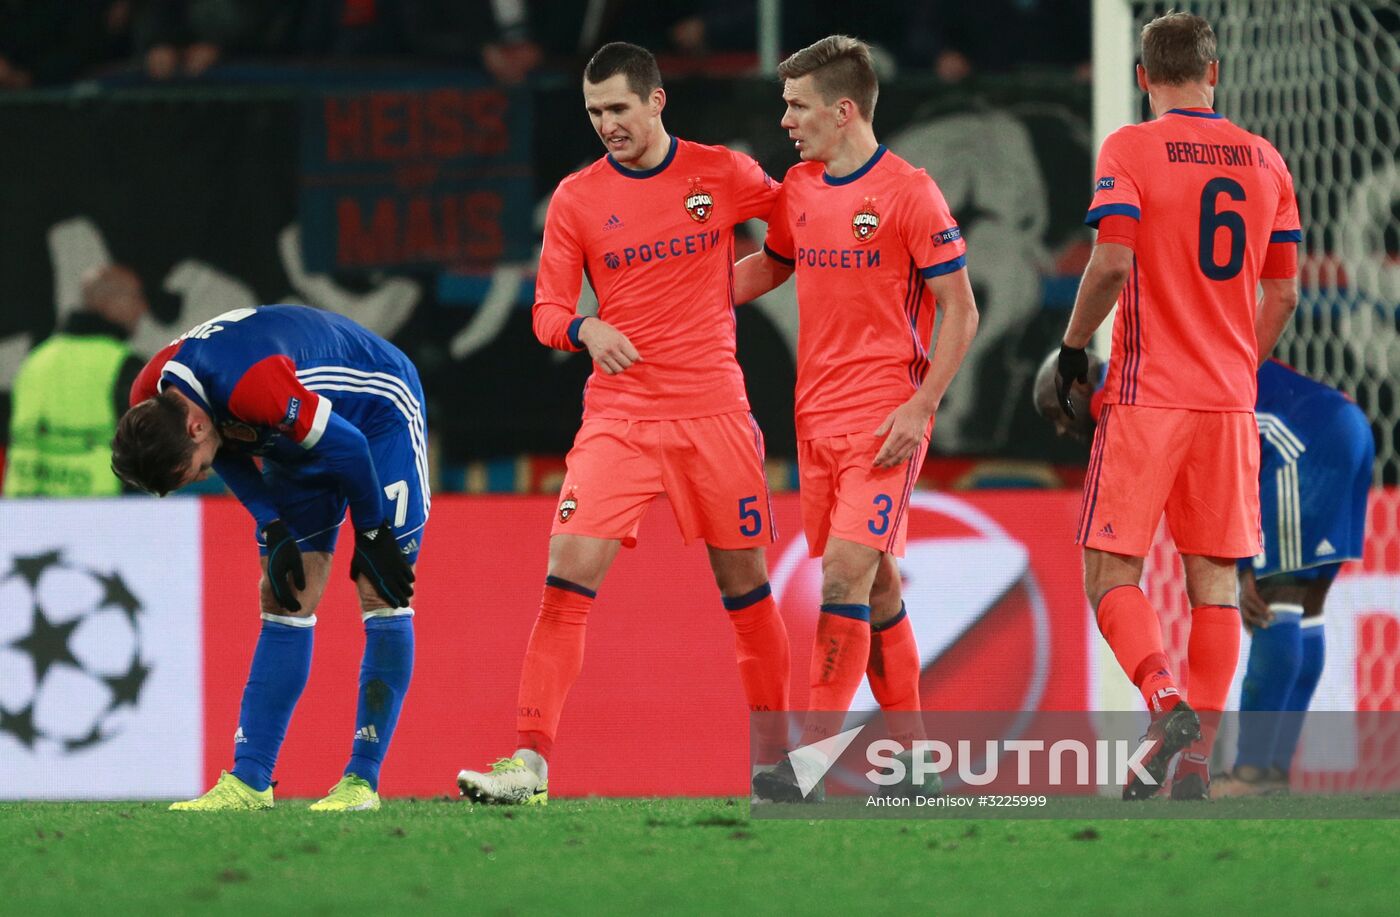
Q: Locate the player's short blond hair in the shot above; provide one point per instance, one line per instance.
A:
(841, 68)
(1177, 48)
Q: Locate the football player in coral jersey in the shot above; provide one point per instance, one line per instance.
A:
(651, 226)
(1194, 215)
(876, 253)
(1317, 458)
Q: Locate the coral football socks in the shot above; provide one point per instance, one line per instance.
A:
(553, 660)
(1212, 652)
(761, 645)
(839, 658)
(1129, 625)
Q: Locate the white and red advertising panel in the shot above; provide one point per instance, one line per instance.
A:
(89, 709)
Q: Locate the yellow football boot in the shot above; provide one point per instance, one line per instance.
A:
(351, 794)
(228, 795)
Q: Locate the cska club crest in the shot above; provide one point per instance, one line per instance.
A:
(568, 506)
(865, 221)
(699, 203)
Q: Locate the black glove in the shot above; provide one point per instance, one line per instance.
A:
(283, 557)
(379, 560)
(1073, 367)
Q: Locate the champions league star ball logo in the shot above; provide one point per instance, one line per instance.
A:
(71, 666)
(699, 203)
(865, 221)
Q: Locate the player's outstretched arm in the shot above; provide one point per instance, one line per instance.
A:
(756, 274)
(1276, 305)
(906, 425)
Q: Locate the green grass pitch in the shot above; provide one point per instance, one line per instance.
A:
(690, 856)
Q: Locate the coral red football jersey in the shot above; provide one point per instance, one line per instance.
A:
(658, 248)
(1209, 198)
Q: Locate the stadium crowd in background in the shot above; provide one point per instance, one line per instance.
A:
(60, 42)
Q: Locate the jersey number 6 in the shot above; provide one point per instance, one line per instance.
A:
(1212, 220)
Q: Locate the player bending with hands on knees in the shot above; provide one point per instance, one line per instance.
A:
(651, 225)
(1194, 216)
(875, 252)
(1318, 457)
(335, 413)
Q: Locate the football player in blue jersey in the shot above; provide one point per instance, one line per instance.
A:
(1317, 455)
(335, 414)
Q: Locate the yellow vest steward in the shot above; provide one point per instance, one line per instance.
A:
(63, 418)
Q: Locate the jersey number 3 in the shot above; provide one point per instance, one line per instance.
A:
(1213, 220)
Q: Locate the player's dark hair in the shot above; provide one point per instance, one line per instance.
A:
(841, 68)
(632, 61)
(1177, 48)
(152, 448)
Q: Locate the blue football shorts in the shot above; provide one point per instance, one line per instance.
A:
(312, 506)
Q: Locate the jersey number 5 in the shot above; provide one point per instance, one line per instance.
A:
(1213, 220)
(751, 520)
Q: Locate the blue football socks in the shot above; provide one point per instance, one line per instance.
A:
(281, 664)
(385, 672)
(1275, 655)
(1309, 674)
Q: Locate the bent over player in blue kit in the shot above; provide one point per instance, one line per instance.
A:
(1316, 458)
(335, 415)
